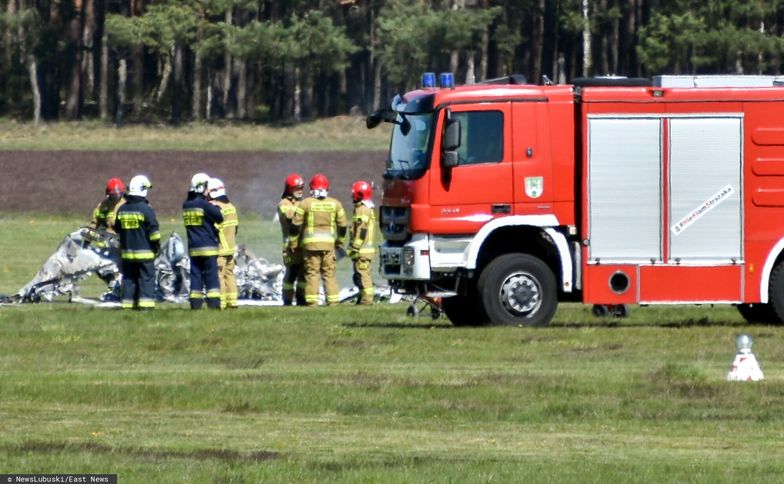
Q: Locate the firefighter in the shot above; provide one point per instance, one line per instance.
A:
(140, 241)
(200, 218)
(105, 213)
(227, 242)
(362, 246)
(292, 258)
(320, 225)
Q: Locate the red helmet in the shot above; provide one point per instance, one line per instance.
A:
(361, 190)
(319, 182)
(294, 182)
(115, 187)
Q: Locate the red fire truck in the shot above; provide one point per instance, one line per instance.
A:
(509, 197)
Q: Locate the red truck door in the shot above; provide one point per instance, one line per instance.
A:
(479, 188)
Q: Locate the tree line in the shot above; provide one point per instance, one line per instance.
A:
(292, 60)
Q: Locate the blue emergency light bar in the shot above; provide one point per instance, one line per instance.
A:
(447, 80)
(428, 80)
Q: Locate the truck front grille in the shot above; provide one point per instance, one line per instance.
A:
(394, 223)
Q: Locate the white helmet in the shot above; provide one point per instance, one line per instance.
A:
(215, 188)
(199, 182)
(139, 186)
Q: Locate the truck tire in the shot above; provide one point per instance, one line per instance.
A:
(757, 313)
(518, 289)
(464, 310)
(776, 295)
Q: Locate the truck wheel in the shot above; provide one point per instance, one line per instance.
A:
(464, 310)
(622, 311)
(776, 295)
(518, 289)
(600, 310)
(757, 313)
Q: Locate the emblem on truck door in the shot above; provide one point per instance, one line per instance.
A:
(534, 186)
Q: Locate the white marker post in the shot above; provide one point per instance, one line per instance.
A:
(745, 366)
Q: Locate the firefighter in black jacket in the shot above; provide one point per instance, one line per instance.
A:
(201, 218)
(140, 240)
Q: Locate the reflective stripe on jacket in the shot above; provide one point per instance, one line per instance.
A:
(137, 227)
(105, 213)
(200, 218)
(363, 229)
(286, 209)
(227, 230)
(321, 221)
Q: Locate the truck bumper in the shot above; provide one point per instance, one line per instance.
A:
(410, 262)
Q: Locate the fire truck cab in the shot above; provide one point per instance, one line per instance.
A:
(507, 197)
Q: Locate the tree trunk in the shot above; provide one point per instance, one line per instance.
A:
(32, 66)
(197, 74)
(306, 82)
(604, 47)
(586, 40)
(178, 84)
(227, 72)
(297, 95)
(165, 75)
(538, 42)
(250, 92)
(122, 78)
(470, 74)
(103, 88)
(73, 98)
(241, 68)
(8, 38)
(208, 107)
(614, 46)
(376, 85)
(485, 50)
(88, 43)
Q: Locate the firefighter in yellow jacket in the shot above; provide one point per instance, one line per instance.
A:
(362, 245)
(227, 242)
(320, 225)
(293, 280)
(105, 213)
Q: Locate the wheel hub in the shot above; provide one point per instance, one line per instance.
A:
(521, 294)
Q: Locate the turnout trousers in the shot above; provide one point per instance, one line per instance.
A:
(293, 285)
(228, 282)
(363, 280)
(318, 265)
(204, 281)
(138, 284)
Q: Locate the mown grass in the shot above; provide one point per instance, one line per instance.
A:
(338, 133)
(354, 394)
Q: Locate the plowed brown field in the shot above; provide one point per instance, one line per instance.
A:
(72, 182)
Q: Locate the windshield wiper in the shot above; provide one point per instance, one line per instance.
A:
(405, 169)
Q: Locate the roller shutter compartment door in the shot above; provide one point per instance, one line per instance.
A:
(624, 183)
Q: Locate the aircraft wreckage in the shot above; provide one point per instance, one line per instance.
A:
(87, 251)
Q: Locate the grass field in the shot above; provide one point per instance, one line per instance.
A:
(337, 133)
(368, 395)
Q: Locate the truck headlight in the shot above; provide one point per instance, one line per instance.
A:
(407, 261)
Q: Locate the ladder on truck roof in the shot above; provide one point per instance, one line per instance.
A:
(718, 80)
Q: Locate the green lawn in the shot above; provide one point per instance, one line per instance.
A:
(357, 394)
(338, 133)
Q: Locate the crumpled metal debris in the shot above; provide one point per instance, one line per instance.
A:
(257, 278)
(172, 269)
(88, 251)
(82, 253)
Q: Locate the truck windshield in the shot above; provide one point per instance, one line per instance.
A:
(408, 153)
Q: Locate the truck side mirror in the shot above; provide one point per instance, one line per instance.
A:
(450, 143)
(374, 119)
